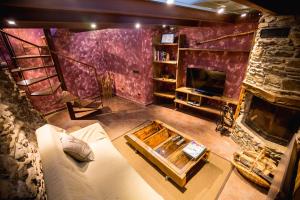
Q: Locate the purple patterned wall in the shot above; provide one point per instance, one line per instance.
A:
(233, 63)
(126, 53)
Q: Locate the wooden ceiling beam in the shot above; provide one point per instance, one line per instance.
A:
(272, 6)
(27, 17)
(135, 8)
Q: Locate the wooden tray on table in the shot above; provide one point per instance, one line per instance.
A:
(156, 141)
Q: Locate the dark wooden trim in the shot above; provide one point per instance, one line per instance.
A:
(122, 7)
(71, 110)
(55, 59)
(37, 18)
(254, 6)
(272, 7)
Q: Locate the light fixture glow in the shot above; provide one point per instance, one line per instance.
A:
(93, 25)
(244, 15)
(137, 25)
(164, 26)
(11, 22)
(172, 28)
(221, 10)
(169, 2)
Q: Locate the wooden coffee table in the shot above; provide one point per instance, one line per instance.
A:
(156, 141)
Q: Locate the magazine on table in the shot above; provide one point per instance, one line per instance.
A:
(194, 149)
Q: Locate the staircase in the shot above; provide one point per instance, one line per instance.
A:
(43, 60)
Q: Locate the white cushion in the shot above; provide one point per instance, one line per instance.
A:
(76, 148)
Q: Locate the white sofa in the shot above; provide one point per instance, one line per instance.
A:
(108, 177)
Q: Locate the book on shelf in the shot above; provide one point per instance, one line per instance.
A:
(161, 56)
(194, 149)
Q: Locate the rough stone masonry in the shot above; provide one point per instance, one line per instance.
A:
(21, 174)
(275, 61)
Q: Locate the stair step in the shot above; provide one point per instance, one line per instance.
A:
(87, 113)
(31, 46)
(31, 56)
(79, 110)
(29, 68)
(47, 91)
(34, 80)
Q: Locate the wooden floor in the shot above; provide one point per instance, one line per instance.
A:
(124, 115)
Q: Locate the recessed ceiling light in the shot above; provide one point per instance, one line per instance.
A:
(11, 22)
(172, 28)
(93, 25)
(244, 15)
(164, 26)
(169, 2)
(221, 10)
(137, 25)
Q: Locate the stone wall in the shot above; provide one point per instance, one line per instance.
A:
(21, 174)
(275, 61)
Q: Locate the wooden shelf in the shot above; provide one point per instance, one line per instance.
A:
(170, 44)
(30, 56)
(217, 50)
(168, 95)
(48, 91)
(218, 98)
(171, 62)
(166, 80)
(30, 68)
(34, 80)
(203, 108)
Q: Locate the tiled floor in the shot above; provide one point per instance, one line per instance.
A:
(124, 115)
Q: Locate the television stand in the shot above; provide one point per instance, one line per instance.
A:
(204, 92)
(185, 95)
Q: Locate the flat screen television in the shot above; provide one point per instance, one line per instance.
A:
(207, 82)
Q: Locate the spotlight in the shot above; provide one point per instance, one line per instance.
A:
(221, 10)
(244, 15)
(11, 22)
(169, 2)
(137, 25)
(164, 26)
(172, 28)
(93, 25)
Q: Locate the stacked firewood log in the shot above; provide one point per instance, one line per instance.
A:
(257, 161)
(106, 83)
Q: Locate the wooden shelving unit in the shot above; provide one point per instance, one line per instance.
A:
(165, 69)
(165, 44)
(182, 95)
(191, 91)
(202, 108)
(168, 95)
(167, 80)
(187, 96)
(171, 62)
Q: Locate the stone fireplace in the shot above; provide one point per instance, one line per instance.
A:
(271, 106)
(272, 122)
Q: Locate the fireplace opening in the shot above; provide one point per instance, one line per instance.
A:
(274, 123)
